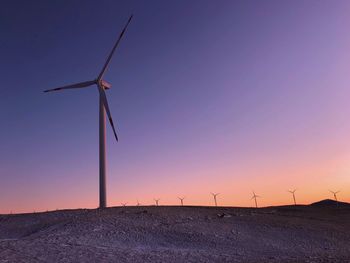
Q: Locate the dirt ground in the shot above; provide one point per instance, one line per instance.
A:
(315, 233)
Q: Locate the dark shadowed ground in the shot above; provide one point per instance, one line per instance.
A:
(316, 233)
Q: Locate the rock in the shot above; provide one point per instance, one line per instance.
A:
(223, 215)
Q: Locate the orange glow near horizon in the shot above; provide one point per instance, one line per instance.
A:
(312, 184)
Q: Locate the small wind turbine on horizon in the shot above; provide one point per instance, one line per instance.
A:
(124, 204)
(254, 197)
(137, 203)
(293, 193)
(157, 201)
(334, 194)
(214, 196)
(102, 85)
(181, 200)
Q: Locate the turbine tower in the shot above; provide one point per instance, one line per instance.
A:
(157, 201)
(334, 194)
(137, 203)
(102, 85)
(181, 200)
(293, 193)
(124, 204)
(214, 196)
(254, 197)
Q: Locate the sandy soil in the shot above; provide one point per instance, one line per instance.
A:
(317, 233)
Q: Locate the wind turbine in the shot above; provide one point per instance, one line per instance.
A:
(182, 200)
(137, 203)
(157, 201)
(214, 196)
(254, 197)
(124, 204)
(334, 194)
(293, 193)
(102, 85)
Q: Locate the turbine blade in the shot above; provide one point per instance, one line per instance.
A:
(105, 103)
(113, 49)
(74, 86)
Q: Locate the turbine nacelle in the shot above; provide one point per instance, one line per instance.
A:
(105, 84)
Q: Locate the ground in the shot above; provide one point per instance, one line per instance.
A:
(314, 233)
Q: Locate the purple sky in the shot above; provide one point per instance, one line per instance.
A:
(207, 96)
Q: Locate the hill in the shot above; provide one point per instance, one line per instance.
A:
(178, 234)
(329, 202)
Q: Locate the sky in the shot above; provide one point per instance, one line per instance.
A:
(207, 96)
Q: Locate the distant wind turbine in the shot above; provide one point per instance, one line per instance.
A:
(293, 193)
(254, 197)
(214, 196)
(181, 200)
(138, 203)
(157, 201)
(102, 85)
(334, 194)
(124, 204)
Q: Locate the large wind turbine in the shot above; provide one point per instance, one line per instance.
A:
(157, 201)
(102, 85)
(293, 193)
(182, 200)
(214, 196)
(254, 197)
(334, 194)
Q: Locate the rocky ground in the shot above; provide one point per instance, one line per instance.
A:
(315, 233)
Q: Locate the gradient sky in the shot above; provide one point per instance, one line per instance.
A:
(208, 96)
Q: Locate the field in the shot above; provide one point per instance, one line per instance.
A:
(305, 233)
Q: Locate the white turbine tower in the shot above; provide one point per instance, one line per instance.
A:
(254, 197)
(214, 196)
(293, 193)
(102, 85)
